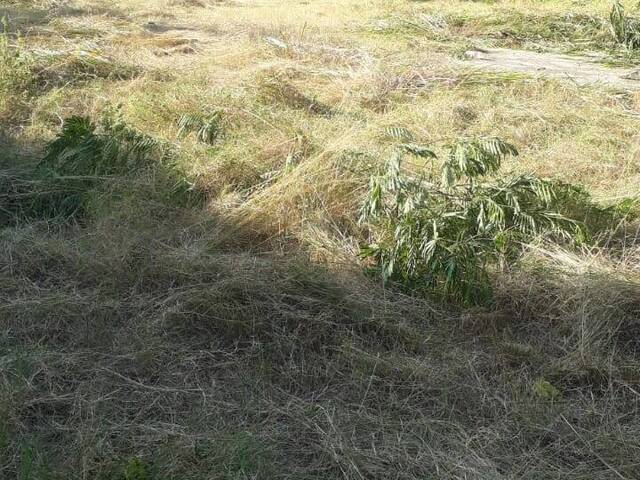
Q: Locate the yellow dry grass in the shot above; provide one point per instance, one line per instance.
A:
(242, 340)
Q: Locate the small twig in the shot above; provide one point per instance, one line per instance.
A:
(151, 387)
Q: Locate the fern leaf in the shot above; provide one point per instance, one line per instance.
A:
(399, 133)
(206, 127)
(417, 150)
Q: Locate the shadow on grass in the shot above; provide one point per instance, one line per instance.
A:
(139, 343)
(121, 306)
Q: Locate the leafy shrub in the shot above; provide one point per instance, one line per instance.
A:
(442, 227)
(626, 29)
(112, 148)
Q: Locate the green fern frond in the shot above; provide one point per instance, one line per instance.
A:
(109, 148)
(400, 134)
(85, 155)
(417, 150)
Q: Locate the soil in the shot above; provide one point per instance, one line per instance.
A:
(582, 70)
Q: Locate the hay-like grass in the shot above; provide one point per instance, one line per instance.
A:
(240, 339)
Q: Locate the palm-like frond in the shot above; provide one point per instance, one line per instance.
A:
(400, 134)
(417, 150)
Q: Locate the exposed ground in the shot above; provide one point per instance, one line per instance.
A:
(239, 338)
(584, 71)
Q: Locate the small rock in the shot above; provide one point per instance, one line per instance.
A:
(276, 43)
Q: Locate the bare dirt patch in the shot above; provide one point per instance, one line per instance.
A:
(580, 70)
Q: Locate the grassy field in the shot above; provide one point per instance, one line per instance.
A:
(206, 315)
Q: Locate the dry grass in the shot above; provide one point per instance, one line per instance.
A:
(233, 365)
(242, 340)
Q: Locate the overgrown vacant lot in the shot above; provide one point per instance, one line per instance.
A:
(191, 243)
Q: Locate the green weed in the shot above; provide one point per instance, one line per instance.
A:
(237, 456)
(82, 160)
(626, 29)
(32, 463)
(135, 469)
(544, 390)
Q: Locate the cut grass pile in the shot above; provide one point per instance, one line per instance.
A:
(237, 336)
